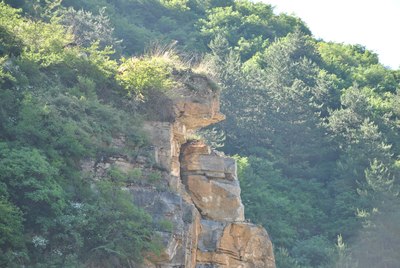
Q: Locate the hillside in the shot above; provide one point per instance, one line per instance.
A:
(313, 126)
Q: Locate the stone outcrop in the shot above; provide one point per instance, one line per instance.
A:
(211, 182)
(210, 230)
(235, 245)
(200, 193)
(180, 243)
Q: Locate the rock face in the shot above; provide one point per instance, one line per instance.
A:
(210, 230)
(198, 208)
(181, 242)
(211, 182)
(234, 245)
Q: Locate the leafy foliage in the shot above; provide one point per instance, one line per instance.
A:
(31, 183)
(316, 122)
(248, 27)
(119, 231)
(88, 28)
(58, 107)
(314, 115)
(139, 75)
(11, 229)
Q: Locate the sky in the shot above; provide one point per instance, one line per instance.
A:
(374, 24)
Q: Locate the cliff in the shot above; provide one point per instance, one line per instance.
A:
(199, 197)
(205, 206)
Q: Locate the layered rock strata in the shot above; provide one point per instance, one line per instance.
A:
(197, 203)
(210, 230)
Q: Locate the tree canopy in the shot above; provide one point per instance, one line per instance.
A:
(314, 127)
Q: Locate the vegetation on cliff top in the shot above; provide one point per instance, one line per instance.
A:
(60, 104)
(316, 124)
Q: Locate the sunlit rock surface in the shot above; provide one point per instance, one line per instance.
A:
(210, 231)
(196, 203)
(211, 182)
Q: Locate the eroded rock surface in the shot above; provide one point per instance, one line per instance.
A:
(200, 193)
(211, 182)
(234, 245)
(207, 180)
(180, 242)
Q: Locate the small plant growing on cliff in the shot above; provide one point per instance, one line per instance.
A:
(165, 225)
(116, 175)
(194, 137)
(135, 174)
(154, 176)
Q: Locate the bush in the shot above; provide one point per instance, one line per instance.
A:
(58, 106)
(88, 28)
(119, 231)
(137, 75)
(32, 184)
(11, 232)
(316, 251)
(165, 225)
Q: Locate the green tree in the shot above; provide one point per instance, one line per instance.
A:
(289, 209)
(176, 4)
(248, 27)
(32, 185)
(12, 249)
(354, 64)
(88, 28)
(118, 232)
(288, 96)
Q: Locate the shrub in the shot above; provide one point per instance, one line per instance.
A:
(120, 231)
(154, 176)
(180, 5)
(135, 174)
(137, 75)
(32, 184)
(88, 28)
(11, 236)
(165, 225)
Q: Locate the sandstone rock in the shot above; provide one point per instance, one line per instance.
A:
(180, 244)
(211, 233)
(240, 245)
(99, 169)
(216, 195)
(199, 108)
(203, 199)
(205, 163)
(191, 110)
(199, 114)
(167, 139)
(161, 136)
(230, 168)
(216, 199)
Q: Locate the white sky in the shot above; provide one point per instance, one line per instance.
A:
(374, 24)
